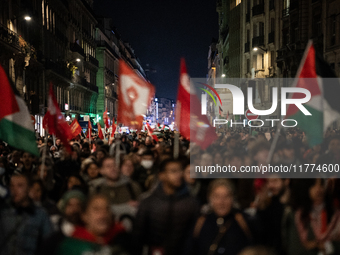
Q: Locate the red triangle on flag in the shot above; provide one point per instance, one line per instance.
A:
(8, 103)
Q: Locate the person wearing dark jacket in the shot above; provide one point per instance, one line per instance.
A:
(225, 230)
(99, 234)
(165, 219)
(271, 206)
(23, 226)
(147, 168)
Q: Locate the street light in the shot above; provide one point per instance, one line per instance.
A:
(27, 18)
(78, 60)
(257, 48)
(223, 75)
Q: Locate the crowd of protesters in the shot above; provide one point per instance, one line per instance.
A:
(130, 196)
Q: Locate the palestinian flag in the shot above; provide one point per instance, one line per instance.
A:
(16, 127)
(324, 105)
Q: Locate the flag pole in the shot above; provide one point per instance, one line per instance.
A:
(89, 131)
(176, 140)
(42, 169)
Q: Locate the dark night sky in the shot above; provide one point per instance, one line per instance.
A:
(163, 31)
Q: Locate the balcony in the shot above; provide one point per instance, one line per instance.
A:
(285, 12)
(247, 17)
(111, 49)
(224, 34)
(92, 60)
(258, 9)
(271, 37)
(258, 41)
(75, 47)
(86, 32)
(112, 95)
(271, 5)
(247, 47)
(61, 36)
(59, 68)
(9, 37)
(88, 85)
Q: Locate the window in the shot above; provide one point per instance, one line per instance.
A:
(248, 35)
(333, 29)
(47, 19)
(248, 65)
(272, 25)
(255, 61)
(262, 62)
(285, 37)
(286, 4)
(43, 12)
(294, 33)
(254, 30)
(252, 84)
(53, 23)
(261, 28)
(272, 58)
(266, 92)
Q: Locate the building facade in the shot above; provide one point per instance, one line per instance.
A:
(60, 42)
(111, 48)
(107, 78)
(51, 42)
(273, 37)
(162, 111)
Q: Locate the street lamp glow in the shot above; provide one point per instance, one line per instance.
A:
(27, 18)
(255, 49)
(78, 59)
(223, 75)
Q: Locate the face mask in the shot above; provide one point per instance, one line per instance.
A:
(147, 164)
(2, 170)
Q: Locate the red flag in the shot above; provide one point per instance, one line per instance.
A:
(55, 122)
(183, 102)
(106, 119)
(89, 129)
(192, 125)
(75, 128)
(150, 131)
(100, 132)
(134, 97)
(158, 125)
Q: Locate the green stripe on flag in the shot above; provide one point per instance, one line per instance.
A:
(18, 137)
(312, 124)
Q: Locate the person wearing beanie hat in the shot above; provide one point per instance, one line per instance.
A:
(70, 207)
